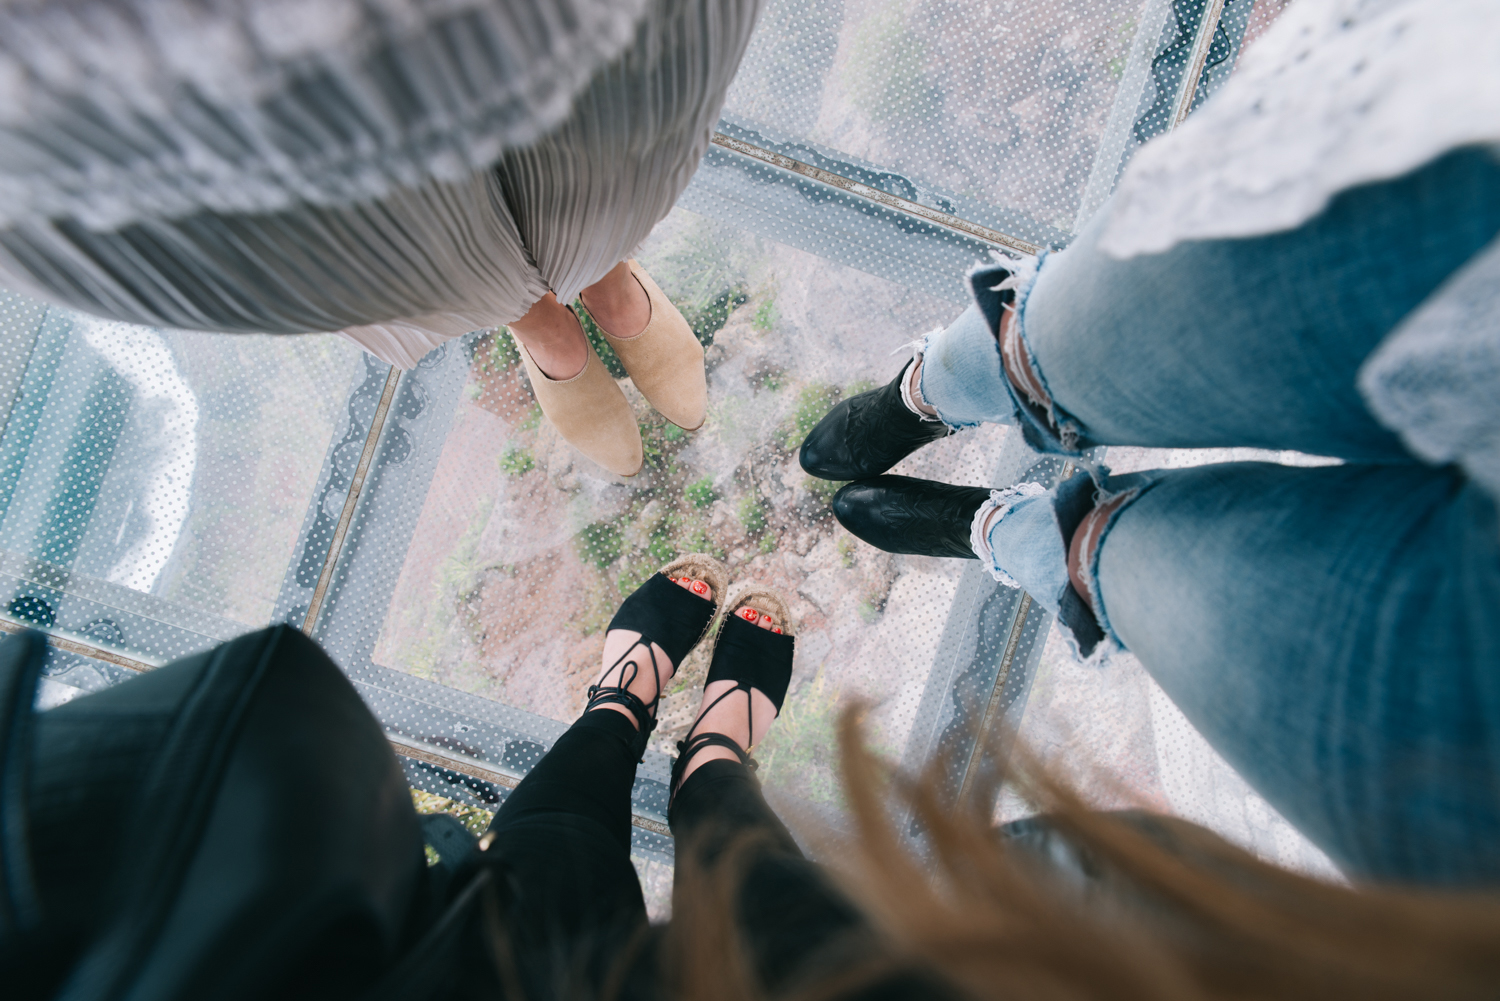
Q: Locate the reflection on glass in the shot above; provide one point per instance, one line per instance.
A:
(152, 482)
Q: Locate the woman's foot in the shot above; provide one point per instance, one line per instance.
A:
(618, 303)
(551, 333)
(735, 715)
(627, 662)
(904, 515)
(575, 390)
(747, 683)
(653, 341)
(867, 434)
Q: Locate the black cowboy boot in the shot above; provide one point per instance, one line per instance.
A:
(904, 515)
(867, 434)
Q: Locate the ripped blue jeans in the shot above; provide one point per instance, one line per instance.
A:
(1334, 632)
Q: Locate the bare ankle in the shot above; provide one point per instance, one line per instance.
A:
(911, 390)
(618, 303)
(1084, 544)
(553, 337)
(1017, 363)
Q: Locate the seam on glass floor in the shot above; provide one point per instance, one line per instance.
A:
(14, 626)
(885, 198)
(40, 573)
(356, 485)
(421, 751)
(1002, 675)
(1187, 91)
(403, 746)
(992, 706)
(1206, 30)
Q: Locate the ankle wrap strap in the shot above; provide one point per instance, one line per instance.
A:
(603, 695)
(674, 617)
(686, 749)
(754, 658)
(630, 665)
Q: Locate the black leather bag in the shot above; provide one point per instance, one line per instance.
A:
(233, 825)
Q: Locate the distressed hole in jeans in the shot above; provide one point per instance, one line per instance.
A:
(1083, 548)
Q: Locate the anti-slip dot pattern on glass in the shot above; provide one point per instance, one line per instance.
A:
(1004, 102)
(504, 552)
(1016, 114)
(162, 491)
(152, 483)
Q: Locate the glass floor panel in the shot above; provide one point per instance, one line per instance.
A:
(163, 491)
(1016, 115)
(517, 552)
(153, 483)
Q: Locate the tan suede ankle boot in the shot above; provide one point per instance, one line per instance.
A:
(665, 361)
(590, 412)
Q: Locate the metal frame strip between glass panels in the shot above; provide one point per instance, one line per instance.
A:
(993, 705)
(89, 650)
(885, 198)
(403, 746)
(336, 544)
(420, 751)
(1189, 90)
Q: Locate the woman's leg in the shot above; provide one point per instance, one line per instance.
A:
(1233, 342)
(1258, 341)
(573, 900)
(794, 922)
(1333, 633)
(564, 833)
(585, 195)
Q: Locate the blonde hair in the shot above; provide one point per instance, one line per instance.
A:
(1178, 913)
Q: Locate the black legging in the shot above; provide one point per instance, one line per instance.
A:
(574, 904)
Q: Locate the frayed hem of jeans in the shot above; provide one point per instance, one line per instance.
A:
(1000, 500)
(1097, 657)
(1022, 273)
(918, 351)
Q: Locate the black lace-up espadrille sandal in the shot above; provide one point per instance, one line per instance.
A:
(672, 617)
(752, 658)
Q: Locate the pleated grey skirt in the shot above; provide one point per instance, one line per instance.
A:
(423, 262)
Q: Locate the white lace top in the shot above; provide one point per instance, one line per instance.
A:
(113, 111)
(1336, 94)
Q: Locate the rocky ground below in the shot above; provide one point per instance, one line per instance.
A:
(524, 548)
